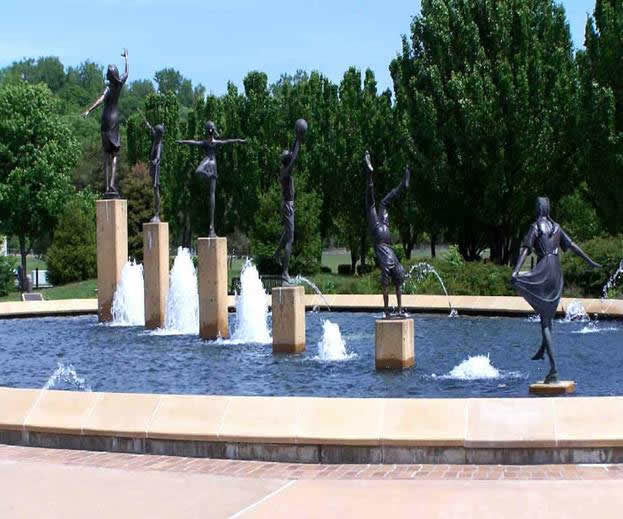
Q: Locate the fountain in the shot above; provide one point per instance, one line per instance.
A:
(128, 307)
(299, 280)
(612, 281)
(419, 271)
(478, 367)
(68, 376)
(183, 302)
(251, 308)
(575, 311)
(332, 346)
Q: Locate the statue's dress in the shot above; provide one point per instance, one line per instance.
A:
(207, 167)
(111, 141)
(391, 269)
(542, 286)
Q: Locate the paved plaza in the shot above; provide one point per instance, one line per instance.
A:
(55, 483)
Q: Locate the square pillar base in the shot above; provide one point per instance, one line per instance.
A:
(213, 316)
(288, 305)
(559, 388)
(112, 251)
(156, 272)
(395, 344)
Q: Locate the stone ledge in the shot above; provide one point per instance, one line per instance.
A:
(522, 430)
(468, 305)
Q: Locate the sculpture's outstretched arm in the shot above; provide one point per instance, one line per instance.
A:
(521, 260)
(573, 247)
(295, 153)
(191, 143)
(125, 74)
(370, 203)
(395, 193)
(98, 102)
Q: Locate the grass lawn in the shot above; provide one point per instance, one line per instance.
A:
(80, 290)
(32, 262)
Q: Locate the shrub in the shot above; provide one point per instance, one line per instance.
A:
(582, 280)
(345, 269)
(7, 275)
(325, 270)
(365, 269)
(72, 255)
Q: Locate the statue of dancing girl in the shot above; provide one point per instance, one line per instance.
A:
(207, 167)
(111, 142)
(288, 158)
(378, 224)
(542, 287)
(156, 133)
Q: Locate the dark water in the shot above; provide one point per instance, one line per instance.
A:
(133, 360)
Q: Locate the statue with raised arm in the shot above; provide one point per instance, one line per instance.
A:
(378, 225)
(111, 142)
(156, 133)
(288, 159)
(542, 287)
(207, 167)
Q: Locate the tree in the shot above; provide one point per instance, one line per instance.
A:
(601, 71)
(138, 190)
(37, 152)
(73, 253)
(488, 93)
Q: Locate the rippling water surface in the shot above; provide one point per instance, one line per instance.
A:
(462, 357)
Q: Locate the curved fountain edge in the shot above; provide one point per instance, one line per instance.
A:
(313, 430)
(469, 305)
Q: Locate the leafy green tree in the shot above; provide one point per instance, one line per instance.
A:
(488, 93)
(137, 188)
(7, 275)
(37, 153)
(73, 255)
(601, 73)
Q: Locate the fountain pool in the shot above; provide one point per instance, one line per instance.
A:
(462, 357)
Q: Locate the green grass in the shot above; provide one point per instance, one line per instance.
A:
(80, 290)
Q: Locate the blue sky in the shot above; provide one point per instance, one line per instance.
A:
(212, 42)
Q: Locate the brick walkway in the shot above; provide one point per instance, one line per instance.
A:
(288, 471)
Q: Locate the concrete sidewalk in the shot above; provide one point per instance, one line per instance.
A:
(66, 484)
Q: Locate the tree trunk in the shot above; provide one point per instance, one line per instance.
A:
(433, 245)
(364, 249)
(23, 281)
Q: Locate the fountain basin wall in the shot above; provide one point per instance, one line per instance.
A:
(312, 430)
(474, 305)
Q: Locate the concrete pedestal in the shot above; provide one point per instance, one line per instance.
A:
(288, 305)
(155, 272)
(559, 388)
(212, 288)
(395, 344)
(112, 251)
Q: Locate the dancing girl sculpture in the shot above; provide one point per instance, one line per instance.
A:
(542, 286)
(288, 158)
(111, 142)
(207, 167)
(378, 224)
(156, 133)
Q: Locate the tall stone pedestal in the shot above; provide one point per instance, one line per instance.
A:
(288, 305)
(395, 344)
(559, 388)
(156, 272)
(212, 288)
(112, 251)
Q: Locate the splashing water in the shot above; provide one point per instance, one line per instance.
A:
(128, 306)
(612, 281)
(478, 367)
(418, 273)
(332, 346)
(576, 312)
(183, 302)
(299, 280)
(66, 376)
(251, 308)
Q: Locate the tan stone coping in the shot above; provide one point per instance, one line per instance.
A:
(498, 423)
(343, 302)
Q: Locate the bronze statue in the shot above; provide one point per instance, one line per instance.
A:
(207, 167)
(288, 158)
(542, 286)
(378, 224)
(111, 142)
(157, 133)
